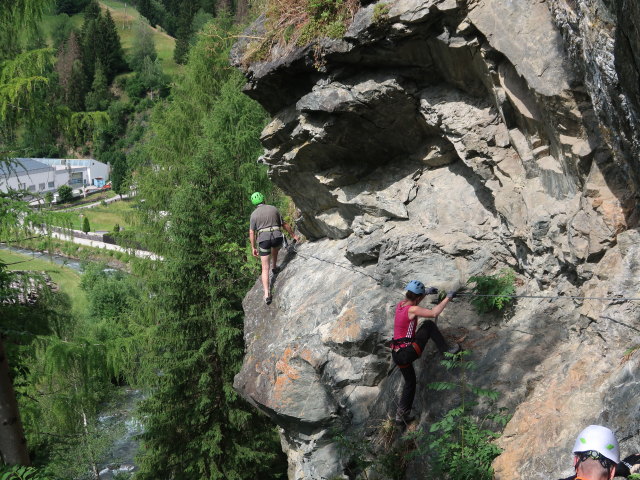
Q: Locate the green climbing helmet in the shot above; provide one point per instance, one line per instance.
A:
(257, 198)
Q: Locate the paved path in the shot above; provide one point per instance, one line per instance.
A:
(106, 246)
(91, 205)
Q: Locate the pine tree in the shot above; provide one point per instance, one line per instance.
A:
(118, 172)
(99, 96)
(71, 73)
(92, 11)
(90, 46)
(77, 87)
(145, 9)
(101, 42)
(110, 51)
(206, 172)
(143, 45)
(184, 32)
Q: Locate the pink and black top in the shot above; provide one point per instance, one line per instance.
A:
(404, 328)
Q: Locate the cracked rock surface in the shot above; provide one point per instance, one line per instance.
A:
(445, 140)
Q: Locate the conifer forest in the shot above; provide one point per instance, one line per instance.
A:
(82, 78)
(319, 239)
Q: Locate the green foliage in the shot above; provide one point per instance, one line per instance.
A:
(460, 445)
(70, 7)
(61, 28)
(65, 194)
(84, 126)
(65, 367)
(196, 171)
(494, 290)
(377, 454)
(20, 77)
(98, 97)
(18, 25)
(628, 353)
(299, 22)
(48, 198)
(101, 43)
(143, 45)
(119, 175)
(380, 12)
(86, 228)
(17, 472)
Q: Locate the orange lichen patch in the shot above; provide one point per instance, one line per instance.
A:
(287, 374)
(307, 356)
(347, 327)
(612, 212)
(265, 367)
(545, 415)
(283, 365)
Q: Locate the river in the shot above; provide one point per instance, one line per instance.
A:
(121, 456)
(120, 417)
(71, 263)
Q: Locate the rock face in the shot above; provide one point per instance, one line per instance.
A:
(440, 140)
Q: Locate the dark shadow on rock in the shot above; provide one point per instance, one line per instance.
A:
(290, 252)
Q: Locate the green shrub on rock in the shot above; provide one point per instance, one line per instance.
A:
(494, 292)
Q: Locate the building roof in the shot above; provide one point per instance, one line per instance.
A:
(19, 166)
(67, 162)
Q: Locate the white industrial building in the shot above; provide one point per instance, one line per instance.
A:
(39, 175)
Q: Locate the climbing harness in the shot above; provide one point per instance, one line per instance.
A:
(273, 228)
(400, 343)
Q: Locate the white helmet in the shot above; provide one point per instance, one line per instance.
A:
(600, 439)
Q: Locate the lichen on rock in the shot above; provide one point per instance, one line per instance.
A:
(449, 140)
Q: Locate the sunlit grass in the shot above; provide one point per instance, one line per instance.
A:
(101, 217)
(67, 280)
(125, 17)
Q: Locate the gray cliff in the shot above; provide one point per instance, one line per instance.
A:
(441, 140)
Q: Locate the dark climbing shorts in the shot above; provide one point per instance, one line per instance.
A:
(267, 245)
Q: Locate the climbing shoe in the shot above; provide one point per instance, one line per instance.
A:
(455, 349)
(275, 270)
(267, 300)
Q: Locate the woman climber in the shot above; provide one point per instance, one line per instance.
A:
(408, 344)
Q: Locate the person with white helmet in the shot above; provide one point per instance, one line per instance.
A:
(408, 342)
(266, 237)
(597, 456)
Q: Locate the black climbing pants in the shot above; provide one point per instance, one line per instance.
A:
(405, 357)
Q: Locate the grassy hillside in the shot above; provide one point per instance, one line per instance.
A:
(125, 16)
